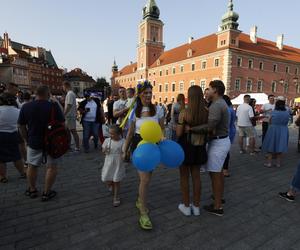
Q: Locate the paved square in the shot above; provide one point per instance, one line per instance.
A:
(82, 216)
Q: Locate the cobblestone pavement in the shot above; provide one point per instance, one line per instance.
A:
(82, 216)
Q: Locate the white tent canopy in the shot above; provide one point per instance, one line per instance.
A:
(261, 98)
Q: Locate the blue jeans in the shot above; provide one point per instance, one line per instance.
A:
(296, 180)
(90, 128)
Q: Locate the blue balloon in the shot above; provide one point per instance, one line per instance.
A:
(146, 157)
(172, 154)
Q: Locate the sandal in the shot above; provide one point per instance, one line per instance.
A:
(145, 222)
(138, 205)
(32, 194)
(47, 196)
(3, 180)
(116, 202)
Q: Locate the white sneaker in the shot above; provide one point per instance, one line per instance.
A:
(185, 210)
(195, 210)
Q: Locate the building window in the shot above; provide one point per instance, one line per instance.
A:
(181, 87)
(166, 87)
(250, 64)
(167, 72)
(296, 71)
(238, 84)
(160, 73)
(203, 85)
(297, 88)
(233, 41)
(287, 69)
(286, 88)
(181, 68)
(160, 88)
(261, 65)
(203, 65)
(153, 83)
(239, 62)
(173, 99)
(193, 66)
(174, 70)
(274, 86)
(260, 86)
(192, 83)
(173, 87)
(217, 62)
(275, 67)
(249, 86)
(159, 99)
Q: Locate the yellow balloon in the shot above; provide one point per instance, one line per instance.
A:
(151, 131)
(142, 142)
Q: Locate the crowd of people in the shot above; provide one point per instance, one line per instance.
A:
(204, 125)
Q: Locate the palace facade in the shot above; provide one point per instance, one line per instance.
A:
(244, 62)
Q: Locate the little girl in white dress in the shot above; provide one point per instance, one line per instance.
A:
(113, 170)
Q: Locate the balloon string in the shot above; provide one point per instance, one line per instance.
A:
(128, 114)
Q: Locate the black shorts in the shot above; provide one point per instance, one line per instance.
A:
(9, 149)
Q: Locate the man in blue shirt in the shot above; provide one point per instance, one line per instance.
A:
(33, 121)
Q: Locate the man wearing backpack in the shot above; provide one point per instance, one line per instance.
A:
(33, 123)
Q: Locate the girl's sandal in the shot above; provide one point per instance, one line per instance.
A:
(116, 202)
(145, 222)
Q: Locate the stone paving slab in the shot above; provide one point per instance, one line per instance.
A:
(82, 216)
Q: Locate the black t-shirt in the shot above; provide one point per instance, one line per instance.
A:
(36, 115)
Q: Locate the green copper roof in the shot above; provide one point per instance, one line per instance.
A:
(230, 18)
(151, 10)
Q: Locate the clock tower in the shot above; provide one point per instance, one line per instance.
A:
(150, 45)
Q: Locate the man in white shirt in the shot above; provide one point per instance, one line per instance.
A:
(244, 115)
(266, 110)
(70, 112)
(120, 109)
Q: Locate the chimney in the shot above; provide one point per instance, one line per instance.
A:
(191, 39)
(279, 43)
(6, 40)
(253, 34)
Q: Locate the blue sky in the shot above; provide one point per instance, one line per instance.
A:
(90, 33)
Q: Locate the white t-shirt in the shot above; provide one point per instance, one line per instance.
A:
(8, 119)
(267, 108)
(244, 113)
(119, 105)
(91, 115)
(139, 121)
(71, 100)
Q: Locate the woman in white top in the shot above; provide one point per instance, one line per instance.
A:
(145, 110)
(9, 148)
